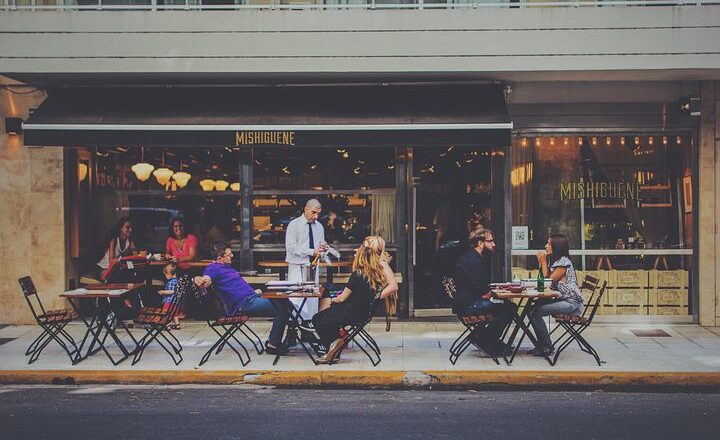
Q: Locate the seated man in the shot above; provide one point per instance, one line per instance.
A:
(237, 295)
(472, 281)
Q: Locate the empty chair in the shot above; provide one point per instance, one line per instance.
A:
(156, 324)
(52, 323)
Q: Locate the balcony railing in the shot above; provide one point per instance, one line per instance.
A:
(199, 5)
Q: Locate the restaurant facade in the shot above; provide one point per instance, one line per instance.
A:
(627, 170)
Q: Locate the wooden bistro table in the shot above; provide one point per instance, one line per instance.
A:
(283, 265)
(201, 263)
(293, 316)
(529, 297)
(99, 327)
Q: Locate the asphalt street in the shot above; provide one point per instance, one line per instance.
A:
(234, 412)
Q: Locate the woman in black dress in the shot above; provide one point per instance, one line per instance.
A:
(368, 280)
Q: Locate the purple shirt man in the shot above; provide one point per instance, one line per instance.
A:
(237, 294)
(232, 289)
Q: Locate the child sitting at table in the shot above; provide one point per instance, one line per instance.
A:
(170, 275)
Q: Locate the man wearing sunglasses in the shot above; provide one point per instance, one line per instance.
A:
(472, 281)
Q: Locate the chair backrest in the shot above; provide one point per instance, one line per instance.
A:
(590, 283)
(183, 285)
(594, 305)
(449, 287)
(30, 293)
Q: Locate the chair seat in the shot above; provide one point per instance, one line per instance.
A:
(152, 311)
(58, 318)
(571, 319)
(476, 319)
(236, 319)
(150, 319)
(58, 312)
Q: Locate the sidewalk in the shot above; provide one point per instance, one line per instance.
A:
(414, 354)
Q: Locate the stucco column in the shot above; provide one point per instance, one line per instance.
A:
(32, 227)
(708, 207)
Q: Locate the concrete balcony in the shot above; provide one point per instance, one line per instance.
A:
(526, 43)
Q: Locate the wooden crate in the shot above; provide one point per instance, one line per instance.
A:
(627, 310)
(669, 310)
(520, 272)
(668, 278)
(627, 296)
(630, 278)
(668, 297)
(602, 275)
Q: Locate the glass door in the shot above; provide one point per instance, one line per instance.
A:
(451, 195)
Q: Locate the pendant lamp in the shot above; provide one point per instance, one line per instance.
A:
(163, 174)
(142, 169)
(207, 184)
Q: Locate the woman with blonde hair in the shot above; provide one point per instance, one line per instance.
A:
(371, 278)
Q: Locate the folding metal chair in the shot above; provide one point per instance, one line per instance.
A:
(156, 324)
(574, 326)
(52, 322)
(357, 331)
(230, 325)
(473, 324)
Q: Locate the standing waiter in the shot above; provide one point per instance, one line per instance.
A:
(304, 241)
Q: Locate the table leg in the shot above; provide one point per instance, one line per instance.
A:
(520, 325)
(293, 325)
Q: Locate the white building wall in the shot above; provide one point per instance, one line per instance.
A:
(575, 43)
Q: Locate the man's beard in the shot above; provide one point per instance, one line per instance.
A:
(486, 253)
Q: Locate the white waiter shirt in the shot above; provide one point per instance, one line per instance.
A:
(297, 255)
(297, 240)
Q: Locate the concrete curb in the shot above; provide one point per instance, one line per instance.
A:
(364, 379)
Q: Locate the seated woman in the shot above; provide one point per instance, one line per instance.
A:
(371, 274)
(117, 243)
(180, 248)
(556, 265)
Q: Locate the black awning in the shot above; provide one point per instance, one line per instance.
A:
(315, 115)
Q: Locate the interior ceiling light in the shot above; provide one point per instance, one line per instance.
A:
(163, 174)
(181, 178)
(235, 186)
(221, 185)
(142, 169)
(82, 171)
(207, 184)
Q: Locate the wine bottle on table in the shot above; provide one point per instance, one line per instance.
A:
(540, 281)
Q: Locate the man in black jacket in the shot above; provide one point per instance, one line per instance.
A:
(473, 297)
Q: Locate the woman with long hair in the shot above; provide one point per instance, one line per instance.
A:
(118, 242)
(180, 247)
(555, 264)
(371, 278)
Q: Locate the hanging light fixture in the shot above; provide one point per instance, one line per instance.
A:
(142, 169)
(207, 184)
(181, 177)
(221, 185)
(82, 171)
(163, 174)
(235, 186)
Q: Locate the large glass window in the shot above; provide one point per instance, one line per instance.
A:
(356, 187)
(151, 186)
(625, 203)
